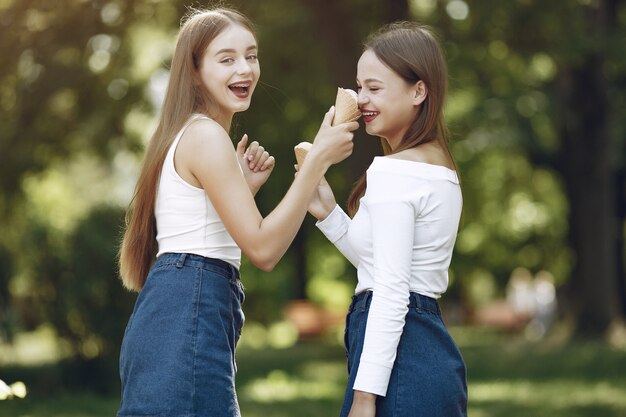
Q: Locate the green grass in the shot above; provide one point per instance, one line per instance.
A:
(506, 376)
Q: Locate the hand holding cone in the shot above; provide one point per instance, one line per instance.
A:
(346, 110)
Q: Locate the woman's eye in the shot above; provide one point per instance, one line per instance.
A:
(252, 57)
(227, 60)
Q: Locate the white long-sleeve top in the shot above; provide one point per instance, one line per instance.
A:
(400, 240)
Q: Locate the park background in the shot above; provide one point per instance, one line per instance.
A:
(536, 111)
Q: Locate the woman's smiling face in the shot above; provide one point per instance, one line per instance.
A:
(388, 103)
(230, 70)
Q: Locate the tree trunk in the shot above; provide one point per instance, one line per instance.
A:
(620, 251)
(586, 164)
(299, 248)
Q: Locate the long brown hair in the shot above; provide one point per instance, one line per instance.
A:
(184, 97)
(411, 51)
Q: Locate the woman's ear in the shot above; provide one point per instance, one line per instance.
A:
(421, 92)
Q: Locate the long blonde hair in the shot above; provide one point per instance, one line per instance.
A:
(184, 97)
(411, 51)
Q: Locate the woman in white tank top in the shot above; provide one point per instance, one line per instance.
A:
(193, 214)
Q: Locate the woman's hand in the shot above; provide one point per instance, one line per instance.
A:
(363, 405)
(333, 144)
(323, 201)
(256, 163)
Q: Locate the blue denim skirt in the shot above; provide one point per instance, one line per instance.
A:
(178, 354)
(428, 377)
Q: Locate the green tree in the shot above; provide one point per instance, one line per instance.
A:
(536, 90)
(554, 72)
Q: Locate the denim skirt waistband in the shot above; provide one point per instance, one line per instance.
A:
(418, 301)
(217, 266)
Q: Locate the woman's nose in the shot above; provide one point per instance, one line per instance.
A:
(362, 98)
(243, 67)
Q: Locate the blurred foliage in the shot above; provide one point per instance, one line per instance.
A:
(81, 82)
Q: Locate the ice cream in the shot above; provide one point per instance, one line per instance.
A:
(346, 106)
(301, 149)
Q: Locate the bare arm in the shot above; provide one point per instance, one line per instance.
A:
(363, 405)
(207, 151)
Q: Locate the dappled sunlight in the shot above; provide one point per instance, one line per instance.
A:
(457, 9)
(470, 239)
(278, 386)
(460, 103)
(542, 66)
(28, 69)
(327, 284)
(331, 293)
(282, 335)
(63, 195)
(53, 200)
(38, 347)
(102, 48)
(522, 220)
(324, 370)
(140, 123)
(423, 7)
(278, 335)
(525, 214)
(531, 103)
(550, 395)
(481, 287)
(152, 48)
(15, 390)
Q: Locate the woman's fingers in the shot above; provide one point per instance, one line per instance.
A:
(258, 158)
(268, 163)
(241, 145)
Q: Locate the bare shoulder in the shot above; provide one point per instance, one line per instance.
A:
(427, 153)
(203, 140)
(202, 133)
(204, 149)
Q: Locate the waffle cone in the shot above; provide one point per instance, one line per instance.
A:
(301, 150)
(346, 106)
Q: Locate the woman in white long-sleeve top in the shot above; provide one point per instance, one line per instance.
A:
(405, 214)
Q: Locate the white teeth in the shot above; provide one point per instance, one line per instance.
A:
(370, 113)
(239, 85)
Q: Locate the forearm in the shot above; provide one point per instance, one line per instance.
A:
(254, 190)
(363, 405)
(278, 229)
(335, 227)
(364, 397)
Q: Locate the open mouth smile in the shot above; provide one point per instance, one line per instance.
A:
(241, 89)
(369, 115)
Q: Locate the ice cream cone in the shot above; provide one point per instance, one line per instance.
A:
(301, 149)
(346, 106)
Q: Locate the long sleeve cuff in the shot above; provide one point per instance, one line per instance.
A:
(372, 377)
(335, 225)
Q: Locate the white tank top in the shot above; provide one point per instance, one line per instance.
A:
(186, 219)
